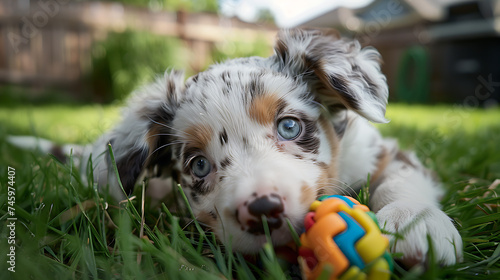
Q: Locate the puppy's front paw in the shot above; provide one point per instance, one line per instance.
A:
(413, 222)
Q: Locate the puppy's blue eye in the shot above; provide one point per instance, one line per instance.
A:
(289, 128)
(200, 166)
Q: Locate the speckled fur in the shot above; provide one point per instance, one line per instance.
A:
(229, 114)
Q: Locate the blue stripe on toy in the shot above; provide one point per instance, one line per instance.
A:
(347, 239)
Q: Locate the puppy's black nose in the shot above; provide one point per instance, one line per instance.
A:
(250, 213)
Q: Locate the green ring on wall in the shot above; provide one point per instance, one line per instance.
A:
(416, 89)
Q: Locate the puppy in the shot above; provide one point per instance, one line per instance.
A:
(264, 137)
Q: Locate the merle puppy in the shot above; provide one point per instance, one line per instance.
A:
(255, 137)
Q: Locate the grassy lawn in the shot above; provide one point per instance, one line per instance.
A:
(60, 123)
(65, 229)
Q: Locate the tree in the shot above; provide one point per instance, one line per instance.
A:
(265, 15)
(173, 5)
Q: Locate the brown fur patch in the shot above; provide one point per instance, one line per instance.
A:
(152, 137)
(307, 195)
(333, 141)
(206, 218)
(401, 156)
(232, 214)
(383, 159)
(329, 171)
(264, 108)
(198, 136)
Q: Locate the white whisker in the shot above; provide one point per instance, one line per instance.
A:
(161, 134)
(163, 146)
(169, 127)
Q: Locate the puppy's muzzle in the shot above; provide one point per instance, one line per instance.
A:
(251, 212)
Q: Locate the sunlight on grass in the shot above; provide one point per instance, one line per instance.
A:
(60, 123)
(445, 118)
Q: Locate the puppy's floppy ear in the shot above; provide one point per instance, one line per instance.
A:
(160, 133)
(339, 71)
(141, 140)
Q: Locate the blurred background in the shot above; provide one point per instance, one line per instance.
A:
(435, 51)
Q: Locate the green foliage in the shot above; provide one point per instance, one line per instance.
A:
(238, 48)
(175, 5)
(266, 15)
(124, 61)
(457, 142)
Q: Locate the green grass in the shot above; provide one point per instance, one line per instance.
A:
(60, 123)
(66, 229)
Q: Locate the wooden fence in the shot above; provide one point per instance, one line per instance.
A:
(48, 42)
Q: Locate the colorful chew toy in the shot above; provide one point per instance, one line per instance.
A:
(343, 234)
